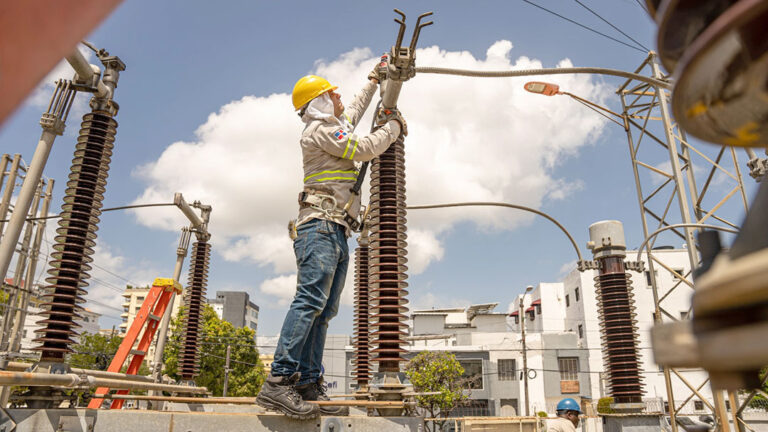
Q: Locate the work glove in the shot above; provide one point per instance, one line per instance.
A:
(386, 114)
(379, 71)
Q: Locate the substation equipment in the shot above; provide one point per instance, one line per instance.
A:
(725, 324)
(716, 52)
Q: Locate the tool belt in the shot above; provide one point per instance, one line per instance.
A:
(328, 205)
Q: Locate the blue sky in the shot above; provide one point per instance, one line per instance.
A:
(215, 77)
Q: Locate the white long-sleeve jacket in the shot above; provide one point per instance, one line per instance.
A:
(330, 150)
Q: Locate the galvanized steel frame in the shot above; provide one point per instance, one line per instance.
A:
(658, 147)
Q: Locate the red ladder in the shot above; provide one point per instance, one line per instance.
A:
(150, 314)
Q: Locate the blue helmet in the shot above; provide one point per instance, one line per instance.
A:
(568, 404)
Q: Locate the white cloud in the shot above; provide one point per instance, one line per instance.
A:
(282, 287)
(470, 139)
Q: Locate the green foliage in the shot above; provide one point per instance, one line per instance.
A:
(95, 351)
(437, 372)
(759, 401)
(542, 414)
(604, 405)
(247, 373)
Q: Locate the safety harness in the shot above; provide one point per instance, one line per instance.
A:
(326, 203)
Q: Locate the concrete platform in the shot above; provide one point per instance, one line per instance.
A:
(85, 420)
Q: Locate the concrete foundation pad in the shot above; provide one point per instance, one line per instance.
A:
(85, 420)
(632, 423)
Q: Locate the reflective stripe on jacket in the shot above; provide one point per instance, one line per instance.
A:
(330, 150)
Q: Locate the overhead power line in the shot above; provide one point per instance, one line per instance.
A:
(643, 7)
(583, 26)
(609, 23)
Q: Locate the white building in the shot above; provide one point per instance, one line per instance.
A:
(563, 342)
(134, 298)
(89, 323)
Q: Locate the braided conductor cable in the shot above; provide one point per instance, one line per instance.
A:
(362, 347)
(194, 301)
(387, 258)
(73, 248)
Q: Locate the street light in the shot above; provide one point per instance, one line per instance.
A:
(549, 89)
(528, 289)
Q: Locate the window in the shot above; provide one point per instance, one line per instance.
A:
(517, 319)
(569, 374)
(567, 301)
(679, 271)
(538, 309)
(581, 331)
(139, 299)
(648, 277)
(531, 316)
(569, 368)
(684, 315)
(698, 405)
(576, 293)
(728, 405)
(473, 370)
(507, 371)
(508, 407)
(472, 408)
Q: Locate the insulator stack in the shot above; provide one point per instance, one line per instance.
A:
(76, 234)
(388, 258)
(362, 372)
(619, 331)
(616, 307)
(194, 301)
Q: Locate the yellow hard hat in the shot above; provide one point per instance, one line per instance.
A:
(308, 88)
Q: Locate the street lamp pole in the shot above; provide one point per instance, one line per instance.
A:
(525, 354)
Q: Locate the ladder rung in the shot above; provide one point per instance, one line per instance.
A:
(154, 317)
(137, 352)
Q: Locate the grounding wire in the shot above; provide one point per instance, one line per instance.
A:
(102, 210)
(609, 23)
(583, 26)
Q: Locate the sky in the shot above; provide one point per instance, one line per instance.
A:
(205, 110)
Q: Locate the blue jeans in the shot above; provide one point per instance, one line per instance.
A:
(322, 258)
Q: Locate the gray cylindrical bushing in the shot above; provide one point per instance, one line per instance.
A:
(606, 238)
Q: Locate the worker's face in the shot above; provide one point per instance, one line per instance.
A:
(573, 416)
(338, 107)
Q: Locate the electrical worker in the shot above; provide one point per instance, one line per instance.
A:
(567, 420)
(330, 149)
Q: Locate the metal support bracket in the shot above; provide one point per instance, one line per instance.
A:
(6, 422)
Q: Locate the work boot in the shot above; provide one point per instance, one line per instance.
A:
(317, 391)
(279, 393)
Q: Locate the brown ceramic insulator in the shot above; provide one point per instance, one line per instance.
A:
(619, 332)
(194, 302)
(76, 236)
(387, 259)
(362, 344)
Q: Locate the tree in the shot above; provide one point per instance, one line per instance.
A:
(95, 351)
(247, 373)
(437, 372)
